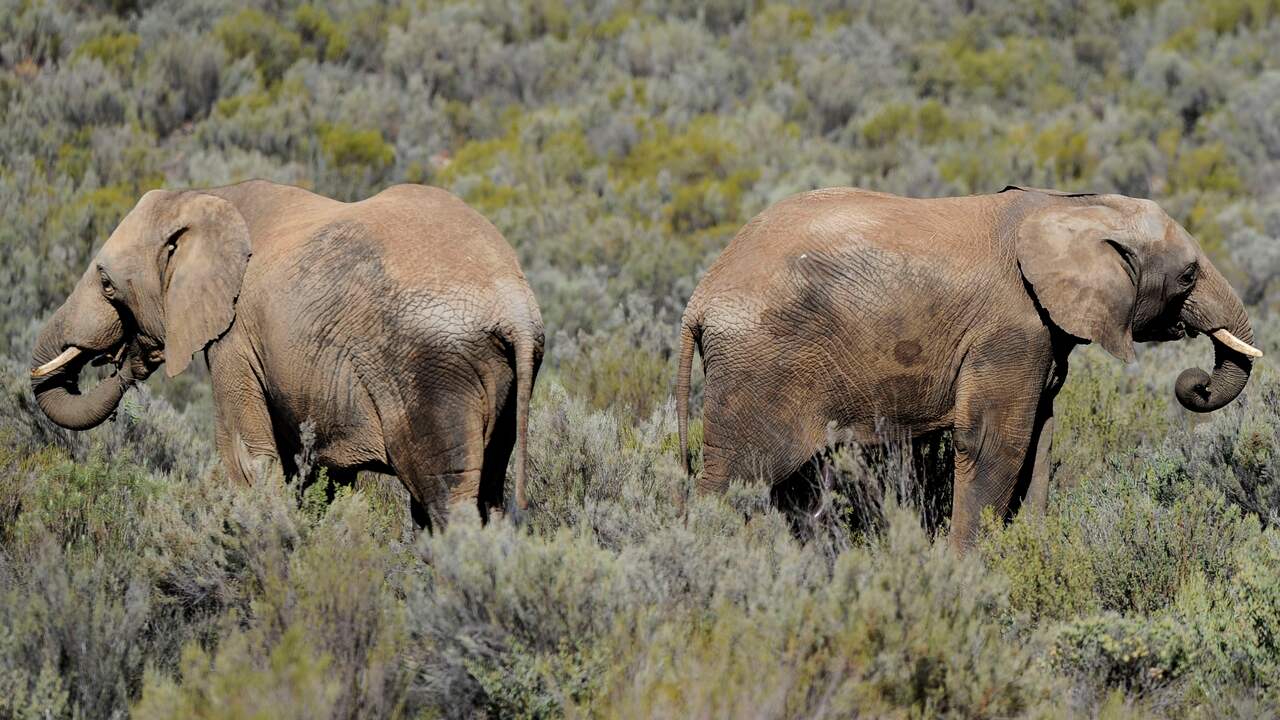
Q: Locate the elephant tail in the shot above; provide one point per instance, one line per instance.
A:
(688, 338)
(526, 369)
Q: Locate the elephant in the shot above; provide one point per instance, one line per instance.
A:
(891, 317)
(398, 330)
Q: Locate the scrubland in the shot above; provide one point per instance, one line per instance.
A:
(618, 145)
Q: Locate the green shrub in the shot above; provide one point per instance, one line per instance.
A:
(902, 630)
(1225, 16)
(707, 180)
(1047, 561)
(1100, 412)
(288, 680)
(306, 610)
(1236, 453)
(353, 159)
(252, 33)
(348, 147)
(1111, 544)
(1136, 655)
(75, 633)
(1237, 622)
(1067, 152)
(582, 461)
(615, 374)
(1000, 70)
(928, 123)
(318, 29)
(91, 507)
(1207, 168)
(116, 50)
(1215, 646)
(504, 622)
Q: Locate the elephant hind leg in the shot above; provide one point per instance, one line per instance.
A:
(497, 455)
(767, 449)
(439, 454)
(435, 492)
(758, 426)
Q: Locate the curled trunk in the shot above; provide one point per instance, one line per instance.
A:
(58, 393)
(1214, 306)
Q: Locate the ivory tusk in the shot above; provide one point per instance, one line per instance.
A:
(1235, 343)
(67, 356)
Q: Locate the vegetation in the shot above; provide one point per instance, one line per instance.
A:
(618, 145)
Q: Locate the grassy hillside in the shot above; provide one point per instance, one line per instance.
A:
(618, 145)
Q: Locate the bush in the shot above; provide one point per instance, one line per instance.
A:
(293, 682)
(1237, 623)
(903, 629)
(75, 635)
(252, 33)
(1138, 656)
(319, 30)
(183, 81)
(619, 147)
(1116, 544)
(115, 50)
(323, 639)
(504, 623)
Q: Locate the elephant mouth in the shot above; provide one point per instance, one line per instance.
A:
(73, 359)
(1180, 330)
(1167, 333)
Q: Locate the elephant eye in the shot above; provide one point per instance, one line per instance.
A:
(171, 243)
(107, 288)
(1188, 276)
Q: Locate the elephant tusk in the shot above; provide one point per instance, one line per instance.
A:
(1235, 343)
(53, 365)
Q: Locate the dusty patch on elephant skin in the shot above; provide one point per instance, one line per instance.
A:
(907, 352)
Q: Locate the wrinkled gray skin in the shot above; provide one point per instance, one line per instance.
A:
(401, 326)
(892, 317)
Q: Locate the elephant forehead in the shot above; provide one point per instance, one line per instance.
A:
(126, 237)
(1181, 247)
(1153, 223)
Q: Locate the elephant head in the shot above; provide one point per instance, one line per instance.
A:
(161, 289)
(1113, 269)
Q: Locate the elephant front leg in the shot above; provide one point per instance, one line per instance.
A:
(992, 439)
(1039, 460)
(987, 466)
(244, 435)
(248, 459)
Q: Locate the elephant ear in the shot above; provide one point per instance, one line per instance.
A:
(206, 266)
(1081, 275)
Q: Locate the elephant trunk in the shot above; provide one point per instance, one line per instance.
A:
(55, 380)
(1213, 308)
